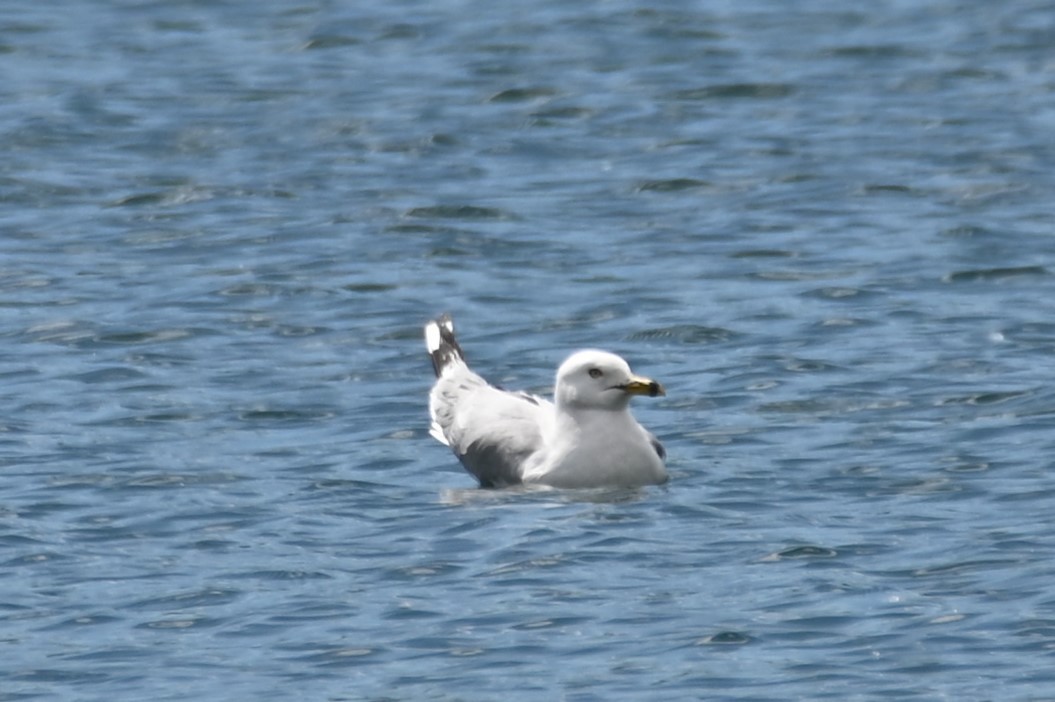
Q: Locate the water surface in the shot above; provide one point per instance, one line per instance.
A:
(826, 230)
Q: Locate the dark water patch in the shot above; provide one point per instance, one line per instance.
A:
(115, 374)
(35, 559)
(179, 26)
(936, 486)
(561, 114)
(465, 212)
(517, 568)
(666, 26)
(331, 485)
(724, 638)
(368, 288)
(319, 610)
(252, 289)
(472, 527)
(82, 620)
(549, 623)
(330, 41)
(423, 570)
(14, 612)
(792, 276)
(523, 94)
(835, 322)
(804, 552)
(401, 31)
(407, 612)
(671, 185)
(149, 337)
(735, 91)
(874, 51)
(152, 418)
(140, 199)
(44, 508)
(63, 332)
(813, 628)
(17, 540)
(57, 676)
(280, 289)
(213, 545)
(298, 331)
(794, 364)
(177, 623)
(965, 464)
(343, 657)
(885, 188)
(965, 567)
(275, 415)
(969, 231)
(178, 195)
(155, 481)
(209, 597)
(281, 575)
(450, 252)
(155, 359)
(1037, 629)
(839, 293)
(764, 253)
(427, 229)
(684, 334)
(982, 275)
(985, 398)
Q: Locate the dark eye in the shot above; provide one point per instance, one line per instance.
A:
(596, 373)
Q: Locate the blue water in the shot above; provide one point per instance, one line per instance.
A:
(828, 230)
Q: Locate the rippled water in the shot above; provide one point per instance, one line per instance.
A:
(827, 230)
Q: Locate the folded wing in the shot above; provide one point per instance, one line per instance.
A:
(494, 433)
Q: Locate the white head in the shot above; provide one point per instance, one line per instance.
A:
(600, 380)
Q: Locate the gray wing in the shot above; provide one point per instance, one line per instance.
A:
(491, 431)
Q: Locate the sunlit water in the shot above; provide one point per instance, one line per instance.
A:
(826, 229)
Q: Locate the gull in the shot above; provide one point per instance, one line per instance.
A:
(585, 438)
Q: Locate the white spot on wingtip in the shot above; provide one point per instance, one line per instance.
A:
(432, 337)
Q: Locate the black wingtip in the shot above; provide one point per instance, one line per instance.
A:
(443, 348)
